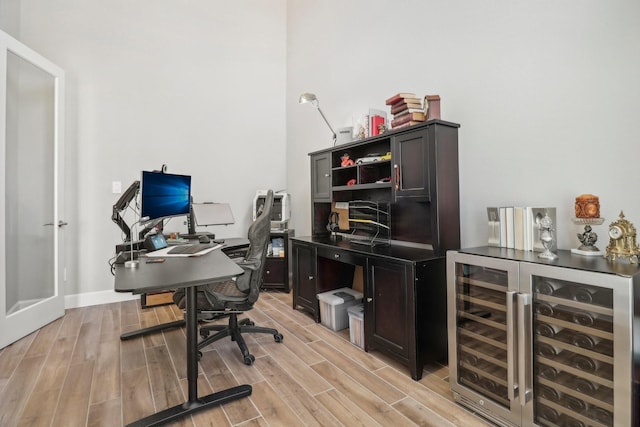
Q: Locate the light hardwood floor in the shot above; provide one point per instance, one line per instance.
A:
(77, 372)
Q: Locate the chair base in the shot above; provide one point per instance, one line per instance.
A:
(235, 329)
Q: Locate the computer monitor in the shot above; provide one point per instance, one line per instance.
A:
(164, 195)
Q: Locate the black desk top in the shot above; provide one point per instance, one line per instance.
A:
(175, 272)
(395, 252)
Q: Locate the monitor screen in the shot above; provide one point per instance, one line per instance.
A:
(164, 195)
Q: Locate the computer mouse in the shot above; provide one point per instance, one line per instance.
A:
(204, 239)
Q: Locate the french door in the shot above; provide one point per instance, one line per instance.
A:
(31, 218)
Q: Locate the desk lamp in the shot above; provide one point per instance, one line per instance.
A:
(310, 97)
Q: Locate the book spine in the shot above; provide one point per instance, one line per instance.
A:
(406, 118)
(407, 124)
(402, 106)
(376, 121)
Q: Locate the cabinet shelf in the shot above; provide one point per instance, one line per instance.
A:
(362, 186)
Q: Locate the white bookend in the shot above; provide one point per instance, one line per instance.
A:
(493, 217)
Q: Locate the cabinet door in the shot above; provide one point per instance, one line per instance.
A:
(411, 165)
(389, 308)
(304, 278)
(482, 343)
(321, 177)
(580, 323)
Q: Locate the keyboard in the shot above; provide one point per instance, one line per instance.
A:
(189, 249)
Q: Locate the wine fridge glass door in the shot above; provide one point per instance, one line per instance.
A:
(580, 325)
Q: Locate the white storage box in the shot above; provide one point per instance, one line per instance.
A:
(333, 307)
(356, 324)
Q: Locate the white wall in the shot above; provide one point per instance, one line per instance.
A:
(546, 92)
(198, 85)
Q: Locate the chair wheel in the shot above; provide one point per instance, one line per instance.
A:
(278, 337)
(204, 333)
(199, 355)
(249, 359)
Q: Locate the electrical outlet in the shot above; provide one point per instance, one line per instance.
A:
(116, 187)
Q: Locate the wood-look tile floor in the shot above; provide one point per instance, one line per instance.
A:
(76, 371)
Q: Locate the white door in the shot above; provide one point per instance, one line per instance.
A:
(31, 218)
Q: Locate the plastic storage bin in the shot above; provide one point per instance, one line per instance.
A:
(356, 324)
(333, 307)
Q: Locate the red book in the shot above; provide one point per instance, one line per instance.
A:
(375, 122)
(399, 97)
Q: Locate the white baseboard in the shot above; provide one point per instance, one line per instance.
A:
(95, 298)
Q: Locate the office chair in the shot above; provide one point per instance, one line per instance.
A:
(233, 297)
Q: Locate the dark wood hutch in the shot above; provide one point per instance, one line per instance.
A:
(398, 217)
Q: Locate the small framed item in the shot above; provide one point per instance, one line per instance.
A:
(155, 242)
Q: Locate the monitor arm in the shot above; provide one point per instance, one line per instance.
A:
(121, 205)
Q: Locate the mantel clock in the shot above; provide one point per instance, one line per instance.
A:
(622, 241)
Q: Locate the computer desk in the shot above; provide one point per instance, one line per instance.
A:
(231, 246)
(188, 273)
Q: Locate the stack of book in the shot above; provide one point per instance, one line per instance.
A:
(517, 227)
(406, 109)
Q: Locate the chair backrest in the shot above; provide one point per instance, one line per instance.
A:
(258, 234)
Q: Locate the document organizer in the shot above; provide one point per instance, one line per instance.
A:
(371, 222)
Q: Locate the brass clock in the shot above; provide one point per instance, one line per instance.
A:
(622, 241)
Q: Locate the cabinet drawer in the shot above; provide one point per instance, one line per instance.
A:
(342, 256)
(274, 270)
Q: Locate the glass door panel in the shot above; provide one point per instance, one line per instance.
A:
(581, 323)
(482, 361)
(573, 347)
(28, 191)
(31, 120)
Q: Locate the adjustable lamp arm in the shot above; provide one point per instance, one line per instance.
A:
(327, 122)
(312, 99)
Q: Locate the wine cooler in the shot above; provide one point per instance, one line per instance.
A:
(534, 342)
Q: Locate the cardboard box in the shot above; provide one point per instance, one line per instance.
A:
(334, 305)
(356, 324)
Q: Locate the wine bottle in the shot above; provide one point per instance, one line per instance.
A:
(573, 403)
(582, 294)
(583, 386)
(591, 295)
(568, 421)
(469, 376)
(548, 413)
(601, 415)
(584, 318)
(543, 309)
(547, 372)
(489, 385)
(548, 393)
(547, 330)
(546, 350)
(585, 363)
(546, 287)
(470, 359)
(584, 341)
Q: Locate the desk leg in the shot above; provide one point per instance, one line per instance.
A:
(194, 403)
